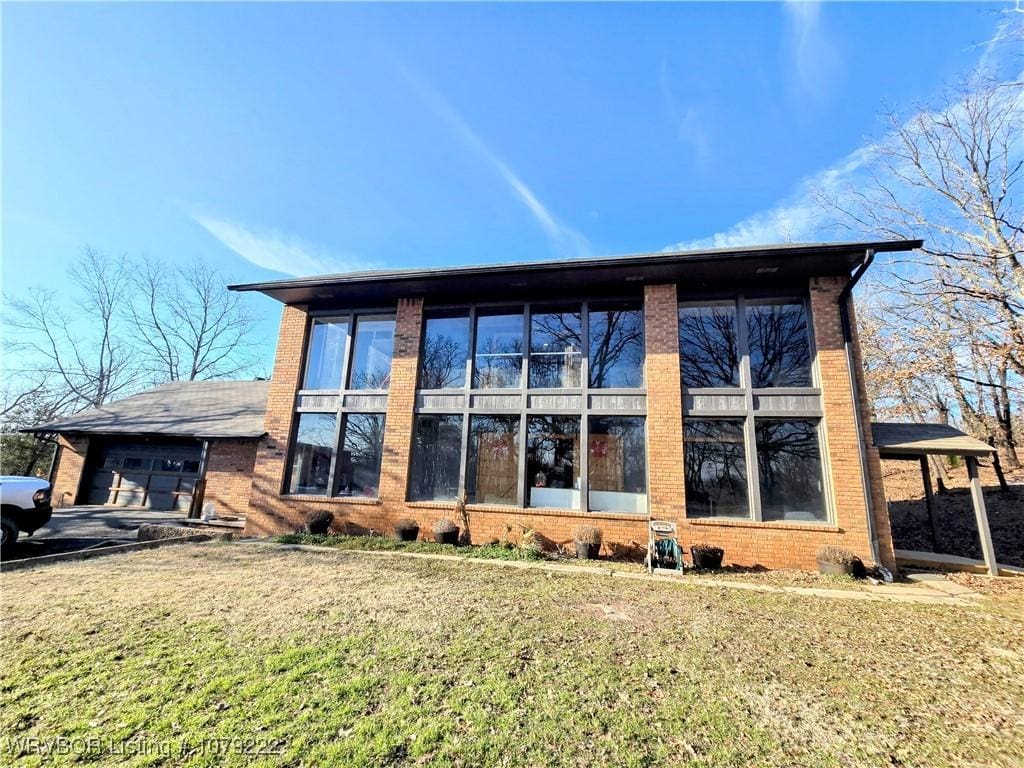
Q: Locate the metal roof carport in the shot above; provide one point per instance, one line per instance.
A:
(916, 442)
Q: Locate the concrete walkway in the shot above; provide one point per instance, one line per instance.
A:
(937, 591)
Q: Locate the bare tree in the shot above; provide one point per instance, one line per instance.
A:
(953, 177)
(83, 357)
(186, 326)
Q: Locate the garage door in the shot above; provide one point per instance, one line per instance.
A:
(145, 474)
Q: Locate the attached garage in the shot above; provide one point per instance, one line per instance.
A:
(179, 447)
(158, 474)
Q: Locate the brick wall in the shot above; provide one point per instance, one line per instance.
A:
(229, 465)
(790, 545)
(68, 473)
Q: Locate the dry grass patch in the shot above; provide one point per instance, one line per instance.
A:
(347, 659)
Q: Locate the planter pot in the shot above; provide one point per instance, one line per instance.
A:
(407, 534)
(703, 559)
(319, 525)
(835, 569)
(586, 551)
(448, 537)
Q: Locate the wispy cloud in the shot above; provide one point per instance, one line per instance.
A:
(276, 251)
(813, 53)
(798, 218)
(566, 240)
(689, 122)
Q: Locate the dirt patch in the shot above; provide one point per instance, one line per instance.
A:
(911, 528)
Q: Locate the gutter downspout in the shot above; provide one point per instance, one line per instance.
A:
(844, 318)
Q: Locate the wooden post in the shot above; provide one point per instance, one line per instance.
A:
(978, 497)
(929, 501)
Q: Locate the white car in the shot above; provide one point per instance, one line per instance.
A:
(24, 507)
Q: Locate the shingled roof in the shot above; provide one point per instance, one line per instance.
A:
(179, 409)
(894, 439)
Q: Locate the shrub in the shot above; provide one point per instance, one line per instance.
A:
(445, 526)
(837, 555)
(587, 534)
(407, 524)
(707, 550)
(319, 522)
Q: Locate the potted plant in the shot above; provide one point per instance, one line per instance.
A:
(407, 529)
(446, 532)
(319, 522)
(706, 556)
(587, 539)
(836, 561)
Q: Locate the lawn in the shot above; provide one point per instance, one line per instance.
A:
(205, 654)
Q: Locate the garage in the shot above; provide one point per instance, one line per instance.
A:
(161, 475)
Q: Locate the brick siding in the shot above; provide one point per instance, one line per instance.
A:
(229, 465)
(67, 475)
(773, 545)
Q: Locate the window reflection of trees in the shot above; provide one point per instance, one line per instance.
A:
(789, 467)
(556, 349)
(359, 468)
(780, 354)
(437, 443)
(708, 346)
(716, 470)
(445, 349)
(616, 348)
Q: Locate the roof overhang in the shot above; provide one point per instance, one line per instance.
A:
(910, 441)
(698, 271)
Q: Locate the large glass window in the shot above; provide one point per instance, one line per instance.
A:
(371, 356)
(552, 462)
(616, 345)
(492, 463)
(358, 470)
(436, 455)
(780, 350)
(617, 464)
(715, 469)
(312, 453)
(556, 348)
(326, 356)
(708, 346)
(789, 471)
(499, 351)
(445, 352)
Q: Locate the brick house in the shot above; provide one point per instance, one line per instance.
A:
(721, 390)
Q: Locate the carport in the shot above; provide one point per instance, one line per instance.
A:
(916, 442)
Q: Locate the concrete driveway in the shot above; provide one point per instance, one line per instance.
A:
(74, 528)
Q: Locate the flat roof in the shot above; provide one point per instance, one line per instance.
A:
(712, 269)
(218, 409)
(894, 440)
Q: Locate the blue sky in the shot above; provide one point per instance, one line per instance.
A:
(286, 138)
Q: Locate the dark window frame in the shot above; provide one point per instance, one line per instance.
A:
(469, 394)
(749, 412)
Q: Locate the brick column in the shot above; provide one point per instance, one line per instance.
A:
(664, 403)
(67, 478)
(401, 402)
(265, 516)
(843, 445)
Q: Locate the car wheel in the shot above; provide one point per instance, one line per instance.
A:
(10, 536)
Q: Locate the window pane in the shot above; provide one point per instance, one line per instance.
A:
(708, 350)
(617, 464)
(616, 345)
(552, 468)
(312, 453)
(499, 351)
(780, 352)
(371, 356)
(358, 469)
(445, 350)
(436, 452)
(492, 465)
(326, 354)
(789, 465)
(556, 349)
(716, 469)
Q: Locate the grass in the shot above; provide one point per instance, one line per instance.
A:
(381, 543)
(337, 658)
